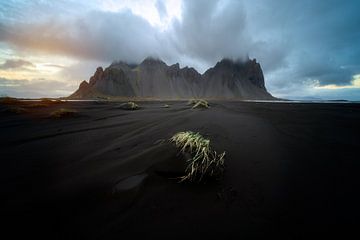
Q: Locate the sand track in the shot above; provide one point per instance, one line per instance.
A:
(290, 168)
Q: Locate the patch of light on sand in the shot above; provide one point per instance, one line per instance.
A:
(355, 83)
(146, 9)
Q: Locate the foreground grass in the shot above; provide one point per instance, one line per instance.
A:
(63, 112)
(204, 162)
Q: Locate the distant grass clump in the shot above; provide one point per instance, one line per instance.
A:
(198, 103)
(130, 106)
(203, 161)
(9, 100)
(63, 112)
(50, 101)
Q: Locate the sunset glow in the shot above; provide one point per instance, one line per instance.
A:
(355, 83)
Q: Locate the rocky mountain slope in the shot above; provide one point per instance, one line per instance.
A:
(154, 79)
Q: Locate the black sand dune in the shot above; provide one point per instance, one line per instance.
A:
(292, 171)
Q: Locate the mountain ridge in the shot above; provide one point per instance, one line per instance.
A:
(153, 78)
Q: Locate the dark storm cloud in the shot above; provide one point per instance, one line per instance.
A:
(322, 38)
(209, 31)
(297, 43)
(12, 64)
(112, 36)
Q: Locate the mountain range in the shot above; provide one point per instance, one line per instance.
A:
(153, 78)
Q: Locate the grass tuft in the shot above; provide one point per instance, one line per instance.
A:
(130, 106)
(63, 112)
(199, 103)
(203, 161)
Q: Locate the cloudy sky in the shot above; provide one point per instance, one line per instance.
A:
(307, 49)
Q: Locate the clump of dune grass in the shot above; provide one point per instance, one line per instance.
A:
(198, 103)
(130, 106)
(201, 104)
(203, 161)
(63, 112)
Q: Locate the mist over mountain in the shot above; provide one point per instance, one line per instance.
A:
(153, 78)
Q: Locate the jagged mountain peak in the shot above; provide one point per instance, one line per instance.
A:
(228, 62)
(154, 78)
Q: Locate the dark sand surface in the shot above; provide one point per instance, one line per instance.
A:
(292, 171)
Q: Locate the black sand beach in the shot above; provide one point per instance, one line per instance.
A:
(292, 171)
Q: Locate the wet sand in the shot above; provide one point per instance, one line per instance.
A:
(292, 171)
